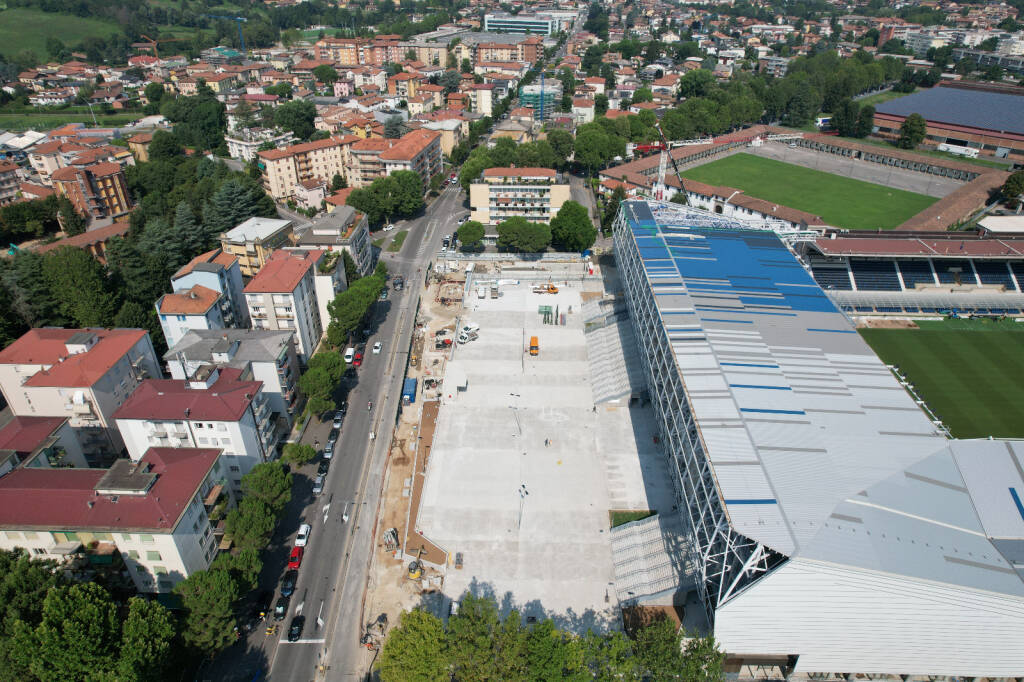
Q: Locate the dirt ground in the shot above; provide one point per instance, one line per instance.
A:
(873, 323)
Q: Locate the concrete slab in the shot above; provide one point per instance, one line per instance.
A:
(524, 467)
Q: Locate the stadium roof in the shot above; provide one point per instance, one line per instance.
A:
(975, 108)
(803, 424)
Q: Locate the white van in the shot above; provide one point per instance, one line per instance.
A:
(470, 327)
(350, 355)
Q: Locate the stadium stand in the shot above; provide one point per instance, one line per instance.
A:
(916, 272)
(877, 275)
(954, 271)
(994, 272)
(831, 277)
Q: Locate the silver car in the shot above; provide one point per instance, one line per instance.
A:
(318, 484)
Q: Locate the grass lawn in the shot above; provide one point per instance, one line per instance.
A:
(28, 29)
(878, 98)
(844, 202)
(21, 121)
(396, 244)
(378, 242)
(618, 518)
(971, 373)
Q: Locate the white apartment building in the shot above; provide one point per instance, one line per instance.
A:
(213, 408)
(194, 308)
(81, 374)
(343, 229)
(261, 355)
(503, 193)
(219, 271)
(283, 297)
(244, 144)
(154, 511)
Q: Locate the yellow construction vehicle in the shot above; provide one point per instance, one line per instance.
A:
(416, 566)
(548, 288)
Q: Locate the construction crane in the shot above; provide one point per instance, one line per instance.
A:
(665, 154)
(240, 20)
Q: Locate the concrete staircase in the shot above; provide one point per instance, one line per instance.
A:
(615, 370)
(650, 559)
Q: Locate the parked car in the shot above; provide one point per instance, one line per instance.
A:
(288, 583)
(358, 361)
(338, 416)
(295, 558)
(281, 608)
(295, 631)
(383, 295)
(389, 227)
(302, 537)
(462, 220)
(329, 448)
(376, 348)
(318, 484)
(323, 467)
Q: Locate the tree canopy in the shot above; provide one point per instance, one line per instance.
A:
(572, 229)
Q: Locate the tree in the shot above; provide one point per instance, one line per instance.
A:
(72, 222)
(298, 454)
(563, 143)
(519, 234)
(338, 182)
(845, 118)
(282, 90)
(393, 127)
(449, 80)
(659, 650)
(702, 660)
(600, 105)
(146, 637)
(190, 234)
(470, 233)
(912, 131)
(865, 121)
(572, 229)
(164, 145)
(269, 483)
(1013, 188)
(154, 92)
(82, 286)
(250, 524)
(208, 598)
(244, 566)
(326, 74)
(330, 362)
(245, 115)
(78, 636)
(296, 116)
(612, 208)
(24, 584)
(993, 73)
(470, 639)
(235, 201)
(466, 66)
(696, 83)
(31, 296)
(415, 650)
(643, 95)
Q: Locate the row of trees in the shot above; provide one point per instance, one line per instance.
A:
(570, 230)
(38, 218)
(319, 381)
(478, 644)
(349, 308)
(553, 152)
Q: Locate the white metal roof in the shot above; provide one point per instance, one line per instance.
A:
(256, 228)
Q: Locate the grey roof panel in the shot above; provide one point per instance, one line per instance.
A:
(975, 108)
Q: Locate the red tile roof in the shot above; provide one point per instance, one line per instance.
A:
(163, 399)
(60, 499)
(410, 145)
(100, 234)
(283, 271)
(272, 154)
(25, 434)
(340, 197)
(45, 346)
(216, 256)
(193, 301)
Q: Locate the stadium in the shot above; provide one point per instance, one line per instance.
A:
(832, 528)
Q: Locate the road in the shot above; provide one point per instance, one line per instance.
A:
(333, 575)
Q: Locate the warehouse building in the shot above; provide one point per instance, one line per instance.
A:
(833, 530)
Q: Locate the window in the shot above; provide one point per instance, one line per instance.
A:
(234, 469)
(199, 425)
(160, 570)
(146, 538)
(38, 550)
(153, 556)
(31, 535)
(133, 554)
(13, 535)
(181, 318)
(127, 537)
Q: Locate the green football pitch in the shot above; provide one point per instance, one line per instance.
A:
(971, 373)
(842, 202)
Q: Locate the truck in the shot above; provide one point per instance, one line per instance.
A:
(534, 346)
(409, 391)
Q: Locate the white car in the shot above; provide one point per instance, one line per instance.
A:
(462, 220)
(303, 535)
(376, 348)
(389, 227)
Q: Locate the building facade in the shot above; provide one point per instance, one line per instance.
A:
(194, 308)
(287, 167)
(283, 297)
(346, 229)
(219, 271)
(97, 191)
(502, 193)
(8, 182)
(538, 24)
(252, 242)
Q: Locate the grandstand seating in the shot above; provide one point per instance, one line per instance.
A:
(994, 272)
(916, 272)
(1018, 270)
(832, 277)
(944, 269)
(875, 275)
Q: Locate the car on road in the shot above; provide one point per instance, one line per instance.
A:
(329, 449)
(323, 467)
(792, 145)
(376, 348)
(281, 608)
(383, 295)
(318, 484)
(295, 558)
(338, 416)
(295, 630)
(358, 361)
(288, 583)
(389, 227)
(302, 537)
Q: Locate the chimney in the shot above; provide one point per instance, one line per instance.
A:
(192, 294)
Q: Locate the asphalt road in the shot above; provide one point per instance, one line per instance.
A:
(332, 578)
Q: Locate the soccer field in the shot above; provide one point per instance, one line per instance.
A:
(971, 374)
(843, 202)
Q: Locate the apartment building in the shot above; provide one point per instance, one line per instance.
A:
(211, 408)
(502, 193)
(287, 167)
(481, 98)
(419, 150)
(39, 442)
(252, 242)
(367, 165)
(260, 355)
(154, 511)
(197, 307)
(83, 375)
(537, 24)
(403, 85)
(344, 51)
(219, 271)
(97, 191)
(343, 229)
(8, 182)
(283, 297)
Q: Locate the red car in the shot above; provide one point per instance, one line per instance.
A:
(295, 558)
(358, 360)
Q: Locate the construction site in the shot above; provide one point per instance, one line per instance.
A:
(525, 435)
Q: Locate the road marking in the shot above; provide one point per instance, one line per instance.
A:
(303, 641)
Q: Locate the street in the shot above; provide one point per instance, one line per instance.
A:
(332, 578)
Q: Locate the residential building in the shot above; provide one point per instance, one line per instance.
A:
(343, 229)
(244, 144)
(93, 241)
(261, 355)
(97, 191)
(310, 193)
(8, 182)
(366, 162)
(139, 146)
(343, 51)
(481, 98)
(194, 308)
(252, 242)
(211, 408)
(219, 271)
(502, 193)
(543, 100)
(451, 133)
(285, 168)
(153, 511)
(81, 374)
(773, 66)
(39, 442)
(283, 296)
(502, 22)
(418, 150)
